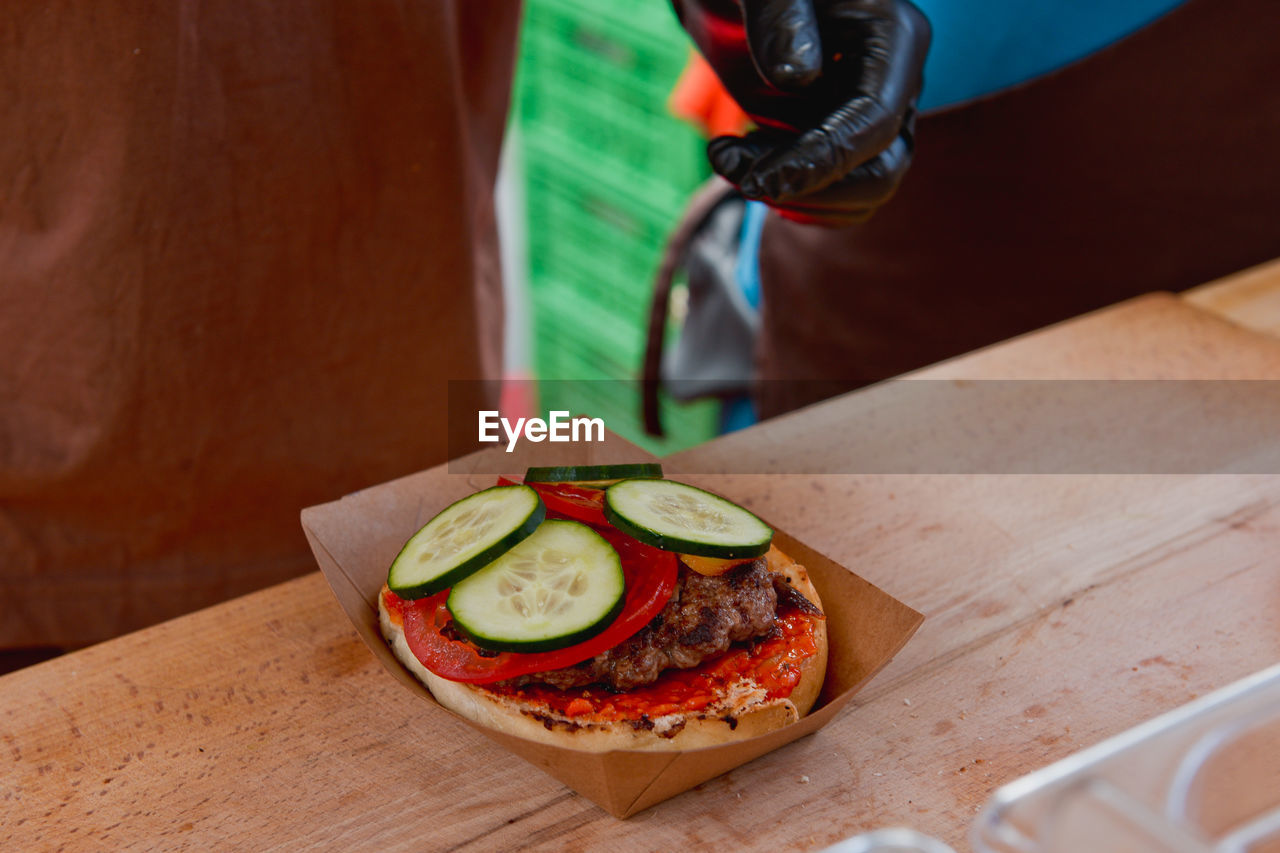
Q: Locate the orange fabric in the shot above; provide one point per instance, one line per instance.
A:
(700, 99)
(242, 248)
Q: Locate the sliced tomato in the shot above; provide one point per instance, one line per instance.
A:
(650, 577)
(568, 501)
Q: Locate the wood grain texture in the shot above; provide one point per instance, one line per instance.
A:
(1059, 610)
(1157, 336)
(1250, 299)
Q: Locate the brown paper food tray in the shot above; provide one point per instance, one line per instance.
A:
(356, 538)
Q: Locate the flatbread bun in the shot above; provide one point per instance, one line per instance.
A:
(742, 711)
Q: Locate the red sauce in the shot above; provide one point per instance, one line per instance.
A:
(395, 606)
(773, 663)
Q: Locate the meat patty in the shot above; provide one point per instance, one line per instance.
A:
(703, 618)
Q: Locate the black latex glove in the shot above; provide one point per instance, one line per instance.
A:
(832, 85)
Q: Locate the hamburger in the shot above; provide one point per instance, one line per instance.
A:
(604, 607)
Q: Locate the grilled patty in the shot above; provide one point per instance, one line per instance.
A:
(703, 618)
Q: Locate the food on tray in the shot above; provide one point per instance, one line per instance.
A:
(623, 611)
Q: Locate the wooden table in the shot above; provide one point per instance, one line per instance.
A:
(1059, 610)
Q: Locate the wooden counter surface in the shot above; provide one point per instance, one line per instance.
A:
(1059, 610)
(1250, 299)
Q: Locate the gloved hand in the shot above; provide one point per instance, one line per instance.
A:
(832, 85)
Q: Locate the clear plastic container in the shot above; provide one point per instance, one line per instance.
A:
(897, 840)
(1204, 778)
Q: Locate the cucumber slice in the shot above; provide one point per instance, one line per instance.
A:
(463, 538)
(678, 517)
(562, 585)
(592, 476)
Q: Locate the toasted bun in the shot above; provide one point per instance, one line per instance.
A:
(742, 711)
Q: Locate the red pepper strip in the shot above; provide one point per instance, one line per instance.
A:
(564, 500)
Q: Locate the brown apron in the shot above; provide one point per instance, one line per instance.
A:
(1151, 165)
(242, 248)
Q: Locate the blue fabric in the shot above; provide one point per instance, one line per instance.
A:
(737, 413)
(747, 270)
(983, 46)
(740, 412)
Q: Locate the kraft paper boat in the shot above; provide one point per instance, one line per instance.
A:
(355, 539)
